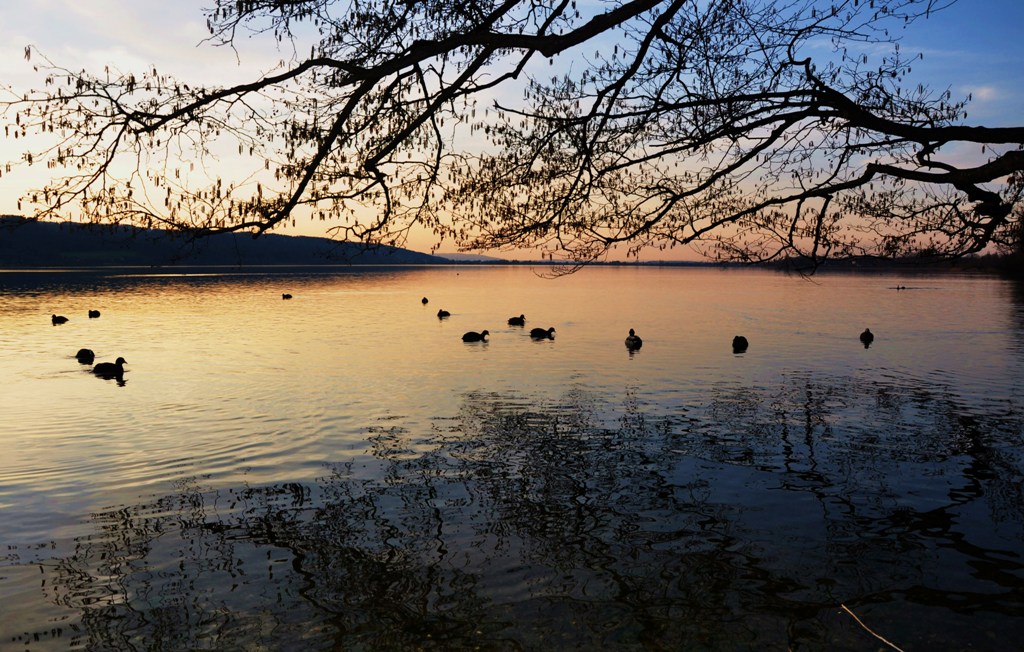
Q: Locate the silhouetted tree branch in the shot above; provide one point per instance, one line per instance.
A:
(713, 123)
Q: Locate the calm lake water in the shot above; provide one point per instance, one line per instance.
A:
(341, 471)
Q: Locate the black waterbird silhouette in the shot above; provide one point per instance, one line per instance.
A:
(739, 344)
(543, 333)
(110, 369)
(867, 337)
(633, 341)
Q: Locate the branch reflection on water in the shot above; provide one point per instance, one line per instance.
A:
(744, 521)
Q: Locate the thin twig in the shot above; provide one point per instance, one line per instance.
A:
(869, 630)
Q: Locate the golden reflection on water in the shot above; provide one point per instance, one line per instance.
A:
(215, 357)
(226, 378)
(230, 387)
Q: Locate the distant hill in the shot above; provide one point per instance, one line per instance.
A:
(470, 258)
(32, 243)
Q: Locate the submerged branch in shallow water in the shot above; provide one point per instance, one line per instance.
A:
(869, 630)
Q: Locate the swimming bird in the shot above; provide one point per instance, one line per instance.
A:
(543, 334)
(633, 341)
(85, 356)
(93, 314)
(58, 319)
(110, 369)
(739, 344)
(867, 337)
(441, 314)
(286, 296)
(425, 300)
(473, 336)
(517, 321)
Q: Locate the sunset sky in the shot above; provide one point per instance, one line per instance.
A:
(975, 47)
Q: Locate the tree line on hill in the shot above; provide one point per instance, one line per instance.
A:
(31, 243)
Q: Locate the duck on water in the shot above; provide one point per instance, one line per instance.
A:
(110, 369)
(543, 333)
(473, 336)
(633, 341)
(867, 337)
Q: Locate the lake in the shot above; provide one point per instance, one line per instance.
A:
(341, 471)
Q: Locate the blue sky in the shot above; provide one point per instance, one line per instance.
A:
(974, 42)
(976, 46)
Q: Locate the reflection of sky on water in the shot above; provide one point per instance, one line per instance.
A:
(343, 469)
(518, 522)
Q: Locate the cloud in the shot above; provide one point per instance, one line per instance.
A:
(982, 93)
(127, 36)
